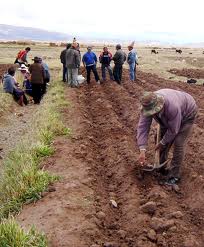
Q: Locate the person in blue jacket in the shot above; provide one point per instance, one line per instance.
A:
(132, 60)
(90, 61)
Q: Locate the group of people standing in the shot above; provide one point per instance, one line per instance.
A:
(34, 79)
(173, 110)
(71, 60)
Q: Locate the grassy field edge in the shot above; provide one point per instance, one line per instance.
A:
(22, 180)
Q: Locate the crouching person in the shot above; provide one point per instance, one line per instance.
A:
(175, 112)
(11, 86)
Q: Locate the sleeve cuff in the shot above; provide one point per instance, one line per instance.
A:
(142, 148)
(162, 142)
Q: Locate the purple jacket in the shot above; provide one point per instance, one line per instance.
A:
(178, 107)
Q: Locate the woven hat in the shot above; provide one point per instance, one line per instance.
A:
(152, 103)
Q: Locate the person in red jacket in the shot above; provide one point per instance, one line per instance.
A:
(105, 59)
(22, 56)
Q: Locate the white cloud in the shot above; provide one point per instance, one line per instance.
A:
(110, 17)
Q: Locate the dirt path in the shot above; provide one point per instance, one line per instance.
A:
(99, 164)
(13, 127)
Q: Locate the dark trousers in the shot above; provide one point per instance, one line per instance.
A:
(64, 73)
(37, 90)
(117, 73)
(93, 69)
(179, 144)
(105, 67)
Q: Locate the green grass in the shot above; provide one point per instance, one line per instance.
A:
(12, 235)
(43, 150)
(22, 181)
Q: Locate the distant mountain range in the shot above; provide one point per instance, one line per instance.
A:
(10, 32)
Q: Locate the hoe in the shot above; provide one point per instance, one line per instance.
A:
(156, 165)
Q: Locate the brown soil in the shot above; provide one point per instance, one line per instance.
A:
(189, 73)
(99, 163)
(3, 69)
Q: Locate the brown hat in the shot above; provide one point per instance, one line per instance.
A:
(36, 59)
(152, 103)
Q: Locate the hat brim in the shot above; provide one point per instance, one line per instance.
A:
(156, 109)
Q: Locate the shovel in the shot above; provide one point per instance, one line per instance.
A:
(156, 165)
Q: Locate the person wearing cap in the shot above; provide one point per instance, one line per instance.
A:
(89, 60)
(63, 61)
(37, 79)
(73, 64)
(105, 59)
(26, 79)
(24, 73)
(22, 56)
(119, 58)
(132, 60)
(175, 111)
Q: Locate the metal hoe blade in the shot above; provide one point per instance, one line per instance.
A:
(150, 168)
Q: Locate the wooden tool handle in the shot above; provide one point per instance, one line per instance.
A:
(157, 152)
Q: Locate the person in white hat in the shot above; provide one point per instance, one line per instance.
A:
(132, 60)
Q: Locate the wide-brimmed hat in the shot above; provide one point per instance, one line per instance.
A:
(152, 103)
(36, 59)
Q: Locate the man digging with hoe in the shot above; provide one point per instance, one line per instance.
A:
(175, 112)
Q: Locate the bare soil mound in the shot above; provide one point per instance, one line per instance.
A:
(189, 73)
(99, 169)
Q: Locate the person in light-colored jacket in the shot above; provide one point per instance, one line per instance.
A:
(132, 60)
(73, 64)
(175, 112)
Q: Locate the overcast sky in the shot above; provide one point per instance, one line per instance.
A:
(110, 17)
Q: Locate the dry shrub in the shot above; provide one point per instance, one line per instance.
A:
(63, 44)
(25, 42)
(52, 44)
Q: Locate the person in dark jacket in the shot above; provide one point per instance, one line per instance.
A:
(37, 79)
(105, 59)
(175, 112)
(73, 64)
(90, 61)
(63, 61)
(11, 86)
(119, 58)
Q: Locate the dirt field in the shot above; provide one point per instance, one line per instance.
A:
(99, 164)
(189, 73)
